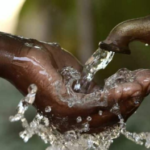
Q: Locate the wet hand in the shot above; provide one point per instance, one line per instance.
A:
(27, 61)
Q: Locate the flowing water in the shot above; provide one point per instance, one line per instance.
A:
(78, 139)
(99, 60)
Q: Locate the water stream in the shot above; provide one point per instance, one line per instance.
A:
(99, 60)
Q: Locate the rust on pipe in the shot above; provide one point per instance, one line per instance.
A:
(27, 61)
(121, 35)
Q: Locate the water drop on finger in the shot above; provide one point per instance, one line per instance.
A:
(48, 109)
(79, 119)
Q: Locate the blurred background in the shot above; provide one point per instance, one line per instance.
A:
(78, 26)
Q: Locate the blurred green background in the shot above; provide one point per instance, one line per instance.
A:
(78, 26)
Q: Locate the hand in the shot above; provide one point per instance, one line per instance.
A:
(27, 61)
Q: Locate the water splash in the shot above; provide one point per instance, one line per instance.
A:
(99, 60)
(48, 109)
(76, 139)
(79, 119)
(79, 138)
(70, 76)
(24, 103)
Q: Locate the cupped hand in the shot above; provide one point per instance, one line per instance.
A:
(27, 61)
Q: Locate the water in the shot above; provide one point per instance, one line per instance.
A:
(146, 44)
(24, 103)
(100, 112)
(79, 119)
(48, 109)
(78, 138)
(75, 139)
(89, 118)
(99, 60)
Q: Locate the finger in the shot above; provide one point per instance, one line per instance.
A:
(62, 57)
(128, 96)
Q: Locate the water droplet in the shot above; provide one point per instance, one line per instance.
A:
(89, 118)
(137, 100)
(135, 112)
(146, 44)
(115, 109)
(79, 119)
(16, 118)
(24, 136)
(37, 47)
(70, 135)
(86, 127)
(100, 112)
(55, 44)
(32, 88)
(48, 109)
(70, 104)
(30, 98)
(77, 87)
(29, 44)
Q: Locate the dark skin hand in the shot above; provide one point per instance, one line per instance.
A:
(27, 61)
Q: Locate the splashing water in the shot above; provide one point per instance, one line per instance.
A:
(78, 139)
(99, 60)
(75, 139)
(24, 103)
